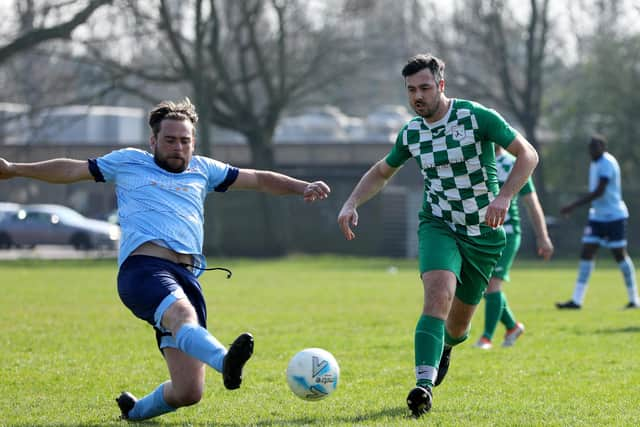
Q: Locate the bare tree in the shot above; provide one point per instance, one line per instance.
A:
(33, 30)
(243, 62)
(37, 69)
(500, 57)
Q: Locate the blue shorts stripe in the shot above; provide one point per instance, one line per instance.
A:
(164, 305)
(610, 234)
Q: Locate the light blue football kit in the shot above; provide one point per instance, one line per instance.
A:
(167, 209)
(608, 213)
(609, 206)
(607, 226)
(160, 206)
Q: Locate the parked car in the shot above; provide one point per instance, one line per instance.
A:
(7, 208)
(319, 124)
(33, 225)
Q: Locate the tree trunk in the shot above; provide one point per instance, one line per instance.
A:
(212, 223)
(538, 177)
(273, 212)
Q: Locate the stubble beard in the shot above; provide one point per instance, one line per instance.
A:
(428, 113)
(164, 164)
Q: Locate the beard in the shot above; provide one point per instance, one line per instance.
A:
(426, 111)
(173, 165)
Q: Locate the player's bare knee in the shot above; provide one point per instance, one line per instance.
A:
(457, 330)
(619, 254)
(189, 396)
(589, 251)
(179, 313)
(437, 301)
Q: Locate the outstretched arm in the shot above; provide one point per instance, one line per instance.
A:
(370, 184)
(526, 161)
(599, 191)
(277, 183)
(57, 171)
(534, 209)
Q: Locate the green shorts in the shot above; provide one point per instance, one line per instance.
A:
(471, 258)
(508, 255)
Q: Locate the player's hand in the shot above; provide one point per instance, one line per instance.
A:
(497, 211)
(348, 217)
(545, 248)
(5, 169)
(317, 190)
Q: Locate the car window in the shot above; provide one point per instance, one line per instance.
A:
(67, 215)
(36, 217)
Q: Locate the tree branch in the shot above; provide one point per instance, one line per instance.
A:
(61, 31)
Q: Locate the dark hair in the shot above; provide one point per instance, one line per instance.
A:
(181, 110)
(600, 139)
(424, 60)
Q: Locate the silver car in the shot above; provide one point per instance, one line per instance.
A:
(32, 225)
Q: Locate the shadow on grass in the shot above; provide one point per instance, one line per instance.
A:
(389, 413)
(627, 330)
(399, 412)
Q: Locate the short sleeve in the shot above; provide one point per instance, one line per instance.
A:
(219, 175)
(493, 127)
(109, 164)
(400, 153)
(605, 169)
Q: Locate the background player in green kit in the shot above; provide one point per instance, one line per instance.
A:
(459, 235)
(496, 307)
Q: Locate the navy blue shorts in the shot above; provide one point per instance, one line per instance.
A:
(148, 286)
(610, 234)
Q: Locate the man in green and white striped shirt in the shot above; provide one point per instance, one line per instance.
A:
(460, 235)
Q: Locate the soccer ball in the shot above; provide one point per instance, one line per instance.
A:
(313, 374)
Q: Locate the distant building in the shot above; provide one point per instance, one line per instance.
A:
(111, 125)
(74, 124)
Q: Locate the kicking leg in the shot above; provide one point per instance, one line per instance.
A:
(181, 319)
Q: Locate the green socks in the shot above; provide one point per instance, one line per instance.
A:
(429, 341)
(494, 304)
(507, 318)
(497, 309)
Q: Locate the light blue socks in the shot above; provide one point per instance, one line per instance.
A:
(629, 273)
(150, 406)
(585, 267)
(197, 342)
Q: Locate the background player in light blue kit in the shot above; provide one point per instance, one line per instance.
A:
(160, 206)
(607, 224)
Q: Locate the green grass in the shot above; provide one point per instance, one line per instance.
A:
(69, 347)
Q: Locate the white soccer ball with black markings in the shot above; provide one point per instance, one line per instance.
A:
(313, 374)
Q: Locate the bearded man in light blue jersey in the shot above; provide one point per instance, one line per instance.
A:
(161, 210)
(607, 224)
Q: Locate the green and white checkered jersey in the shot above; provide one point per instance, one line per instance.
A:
(504, 163)
(457, 160)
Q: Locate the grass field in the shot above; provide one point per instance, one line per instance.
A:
(69, 347)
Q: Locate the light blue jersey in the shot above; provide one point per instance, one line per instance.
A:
(155, 205)
(609, 206)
